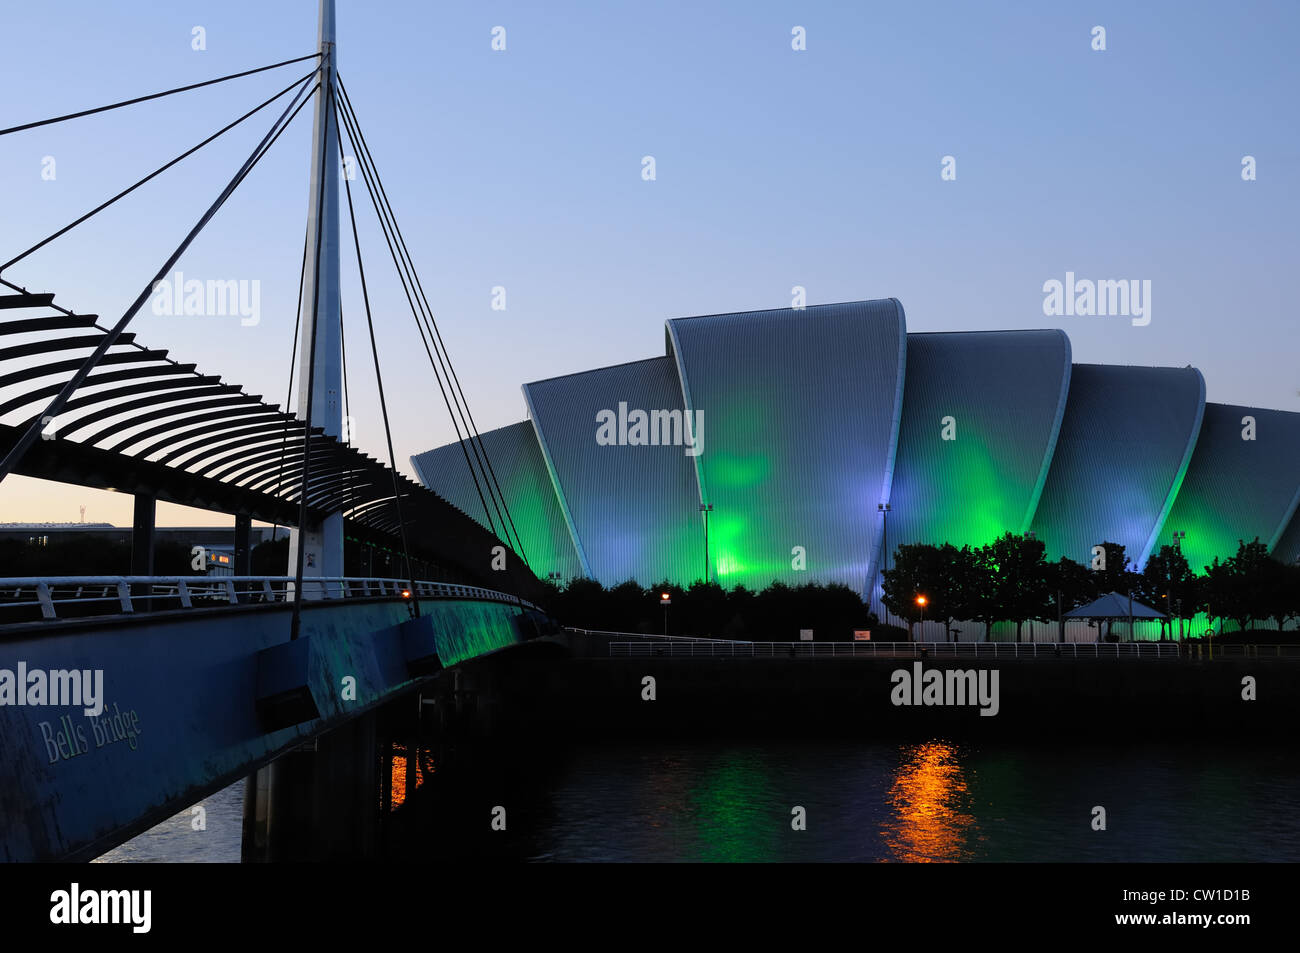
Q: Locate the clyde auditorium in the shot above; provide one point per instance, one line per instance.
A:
(795, 424)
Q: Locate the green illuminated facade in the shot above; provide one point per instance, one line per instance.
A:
(1126, 438)
(981, 414)
(1241, 484)
(796, 424)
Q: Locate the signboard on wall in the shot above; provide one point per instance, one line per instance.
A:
(861, 635)
(805, 635)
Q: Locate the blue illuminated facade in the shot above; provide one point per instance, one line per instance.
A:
(795, 425)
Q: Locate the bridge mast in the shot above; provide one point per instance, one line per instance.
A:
(322, 540)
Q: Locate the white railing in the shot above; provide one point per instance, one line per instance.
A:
(916, 650)
(654, 637)
(125, 594)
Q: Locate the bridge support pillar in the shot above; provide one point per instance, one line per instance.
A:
(319, 802)
(243, 547)
(142, 543)
(243, 544)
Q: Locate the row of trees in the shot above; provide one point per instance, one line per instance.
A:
(1007, 580)
(1010, 580)
(706, 609)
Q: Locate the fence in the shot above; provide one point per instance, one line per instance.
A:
(713, 648)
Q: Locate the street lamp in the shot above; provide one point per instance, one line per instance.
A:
(665, 600)
(1031, 535)
(1179, 536)
(883, 509)
(921, 601)
(706, 509)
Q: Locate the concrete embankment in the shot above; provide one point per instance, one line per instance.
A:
(549, 690)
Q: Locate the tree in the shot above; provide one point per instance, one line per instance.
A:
(740, 608)
(952, 599)
(1217, 589)
(1114, 575)
(703, 610)
(582, 603)
(1244, 586)
(919, 570)
(1167, 583)
(1014, 583)
(1281, 598)
(1069, 585)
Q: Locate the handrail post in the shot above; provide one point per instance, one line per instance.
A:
(47, 604)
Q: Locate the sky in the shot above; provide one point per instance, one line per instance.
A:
(522, 169)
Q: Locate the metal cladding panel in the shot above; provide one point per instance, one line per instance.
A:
(1237, 488)
(1125, 442)
(520, 470)
(800, 417)
(1288, 547)
(1005, 392)
(632, 506)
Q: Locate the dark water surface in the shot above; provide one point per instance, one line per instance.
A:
(864, 801)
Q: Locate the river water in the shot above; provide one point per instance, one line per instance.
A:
(861, 801)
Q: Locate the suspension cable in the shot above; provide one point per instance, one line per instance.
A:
(487, 512)
(444, 359)
(154, 174)
(351, 498)
(434, 331)
(141, 99)
(379, 380)
(110, 338)
(474, 438)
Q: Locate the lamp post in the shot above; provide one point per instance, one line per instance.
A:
(921, 601)
(883, 509)
(1179, 535)
(706, 509)
(1030, 535)
(665, 600)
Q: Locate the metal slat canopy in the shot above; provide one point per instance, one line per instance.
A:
(202, 442)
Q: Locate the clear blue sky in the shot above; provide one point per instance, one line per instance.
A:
(775, 168)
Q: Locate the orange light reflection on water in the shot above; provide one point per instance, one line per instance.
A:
(927, 797)
(398, 776)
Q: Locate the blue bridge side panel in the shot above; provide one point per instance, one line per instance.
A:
(180, 716)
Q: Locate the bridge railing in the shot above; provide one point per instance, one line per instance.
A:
(913, 650)
(651, 636)
(78, 596)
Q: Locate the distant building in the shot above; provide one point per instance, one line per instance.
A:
(218, 542)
